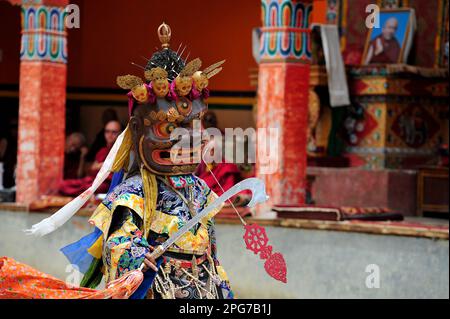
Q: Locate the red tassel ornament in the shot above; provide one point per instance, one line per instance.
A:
(256, 240)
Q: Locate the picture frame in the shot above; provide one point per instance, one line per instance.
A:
(391, 41)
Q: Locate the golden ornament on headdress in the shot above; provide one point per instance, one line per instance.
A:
(183, 85)
(158, 77)
(164, 34)
(156, 73)
(161, 115)
(135, 83)
(127, 82)
(191, 67)
(174, 116)
(212, 70)
(140, 93)
(160, 87)
(183, 82)
(201, 78)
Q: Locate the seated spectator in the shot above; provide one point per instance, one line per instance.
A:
(74, 156)
(227, 174)
(100, 141)
(220, 176)
(74, 187)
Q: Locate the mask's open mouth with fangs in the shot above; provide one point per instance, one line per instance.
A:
(177, 156)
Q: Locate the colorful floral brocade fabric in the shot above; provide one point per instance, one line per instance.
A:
(124, 249)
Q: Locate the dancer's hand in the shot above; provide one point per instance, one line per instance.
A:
(149, 262)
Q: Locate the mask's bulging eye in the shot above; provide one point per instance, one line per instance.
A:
(184, 106)
(164, 129)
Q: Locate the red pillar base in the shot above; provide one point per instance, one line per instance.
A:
(41, 129)
(283, 103)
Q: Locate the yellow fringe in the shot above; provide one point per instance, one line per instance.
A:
(150, 197)
(122, 159)
(149, 183)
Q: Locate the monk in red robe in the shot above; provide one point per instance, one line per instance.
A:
(74, 187)
(385, 48)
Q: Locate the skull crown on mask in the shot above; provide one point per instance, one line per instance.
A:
(164, 103)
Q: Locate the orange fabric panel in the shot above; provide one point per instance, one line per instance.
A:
(20, 281)
(319, 12)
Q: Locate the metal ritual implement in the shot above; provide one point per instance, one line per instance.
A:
(255, 236)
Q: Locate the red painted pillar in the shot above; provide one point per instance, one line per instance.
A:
(283, 87)
(42, 99)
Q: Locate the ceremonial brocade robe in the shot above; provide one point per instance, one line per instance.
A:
(189, 269)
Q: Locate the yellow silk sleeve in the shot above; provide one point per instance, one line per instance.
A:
(115, 246)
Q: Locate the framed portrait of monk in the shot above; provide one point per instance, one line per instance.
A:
(390, 41)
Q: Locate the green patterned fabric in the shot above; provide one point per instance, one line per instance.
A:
(93, 276)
